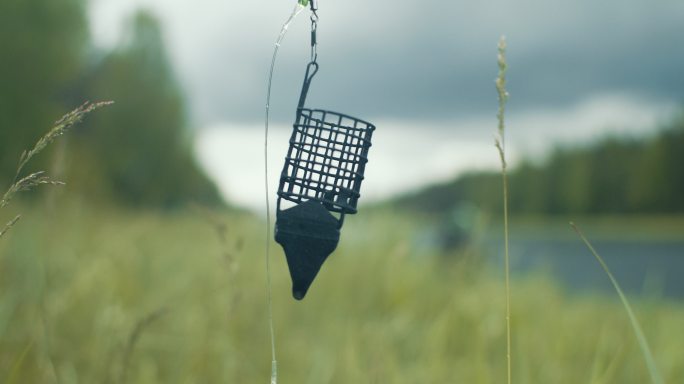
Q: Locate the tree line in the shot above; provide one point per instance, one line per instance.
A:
(615, 175)
(136, 152)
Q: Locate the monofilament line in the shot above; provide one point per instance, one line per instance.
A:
(501, 147)
(274, 363)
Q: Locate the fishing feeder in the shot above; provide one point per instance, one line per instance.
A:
(320, 182)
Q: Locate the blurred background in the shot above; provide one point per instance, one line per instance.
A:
(147, 266)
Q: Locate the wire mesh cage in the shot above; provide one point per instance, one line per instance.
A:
(326, 159)
(322, 175)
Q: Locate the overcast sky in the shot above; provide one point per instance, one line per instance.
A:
(422, 71)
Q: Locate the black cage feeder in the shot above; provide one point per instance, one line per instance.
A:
(319, 184)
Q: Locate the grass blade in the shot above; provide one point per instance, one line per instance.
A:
(501, 147)
(641, 338)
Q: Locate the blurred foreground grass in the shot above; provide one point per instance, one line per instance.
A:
(103, 296)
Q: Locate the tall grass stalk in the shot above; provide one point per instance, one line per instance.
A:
(500, 143)
(26, 184)
(9, 225)
(656, 378)
(133, 338)
(60, 127)
(35, 179)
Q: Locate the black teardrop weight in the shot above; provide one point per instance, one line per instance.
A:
(308, 234)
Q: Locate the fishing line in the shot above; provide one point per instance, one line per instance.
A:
(283, 31)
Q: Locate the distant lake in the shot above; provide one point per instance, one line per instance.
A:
(651, 267)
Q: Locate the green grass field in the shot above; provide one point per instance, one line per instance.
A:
(91, 295)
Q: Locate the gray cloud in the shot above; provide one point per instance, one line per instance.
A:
(424, 60)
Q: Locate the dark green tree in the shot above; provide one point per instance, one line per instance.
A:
(613, 176)
(658, 181)
(140, 148)
(528, 189)
(42, 50)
